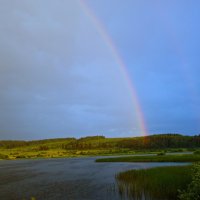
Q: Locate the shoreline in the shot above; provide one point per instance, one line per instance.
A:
(101, 157)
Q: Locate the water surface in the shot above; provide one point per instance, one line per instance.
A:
(63, 179)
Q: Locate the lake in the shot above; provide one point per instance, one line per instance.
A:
(63, 179)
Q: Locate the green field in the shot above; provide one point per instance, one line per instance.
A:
(97, 145)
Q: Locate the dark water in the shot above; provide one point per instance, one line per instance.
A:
(63, 179)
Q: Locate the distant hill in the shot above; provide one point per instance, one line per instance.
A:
(156, 141)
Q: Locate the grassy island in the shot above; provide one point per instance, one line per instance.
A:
(154, 158)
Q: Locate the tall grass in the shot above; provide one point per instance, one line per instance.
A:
(161, 183)
(158, 158)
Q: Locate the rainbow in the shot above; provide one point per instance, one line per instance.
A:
(122, 67)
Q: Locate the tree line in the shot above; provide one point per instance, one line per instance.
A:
(160, 141)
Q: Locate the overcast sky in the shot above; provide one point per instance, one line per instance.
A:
(58, 77)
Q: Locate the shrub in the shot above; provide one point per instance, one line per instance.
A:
(21, 156)
(178, 150)
(3, 156)
(193, 190)
(161, 154)
(43, 148)
(197, 152)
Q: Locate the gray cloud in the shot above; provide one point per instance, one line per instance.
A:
(57, 76)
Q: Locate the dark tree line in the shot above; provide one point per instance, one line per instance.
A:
(161, 141)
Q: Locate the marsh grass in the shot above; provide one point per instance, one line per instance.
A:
(23, 153)
(161, 154)
(3, 156)
(197, 152)
(161, 183)
(157, 158)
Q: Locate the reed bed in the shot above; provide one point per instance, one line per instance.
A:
(157, 158)
(161, 183)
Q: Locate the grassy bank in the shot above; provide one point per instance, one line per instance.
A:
(34, 153)
(10, 154)
(162, 158)
(156, 183)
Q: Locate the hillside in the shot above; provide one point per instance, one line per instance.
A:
(96, 145)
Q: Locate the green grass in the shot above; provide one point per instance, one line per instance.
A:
(34, 153)
(197, 152)
(157, 158)
(96, 146)
(161, 154)
(155, 184)
(23, 153)
(3, 156)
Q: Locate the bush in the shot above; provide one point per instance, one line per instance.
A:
(178, 150)
(161, 154)
(43, 148)
(21, 156)
(197, 152)
(3, 156)
(193, 190)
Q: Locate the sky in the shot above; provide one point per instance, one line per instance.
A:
(97, 67)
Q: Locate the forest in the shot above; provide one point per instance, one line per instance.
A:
(158, 141)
